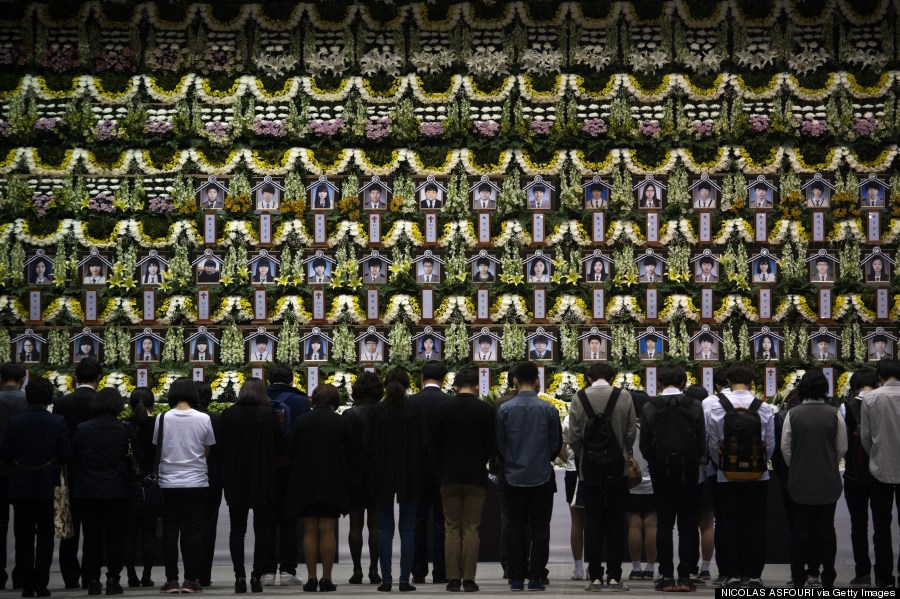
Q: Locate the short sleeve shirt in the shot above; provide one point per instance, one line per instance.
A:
(186, 433)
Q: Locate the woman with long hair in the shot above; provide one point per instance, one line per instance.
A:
(366, 392)
(394, 449)
(251, 438)
(140, 523)
(321, 449)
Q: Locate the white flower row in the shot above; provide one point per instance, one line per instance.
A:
(128, 308)
(400, 305)
(847, 230)
(672, 228)
(628, 380)
(239, 231)
(855, 301)
(626, 229)
(735, 303)
(786, 229)
(344, 307)
(290, 304)
(735, 226)
(680, 305)
(63, 305)
(116, 380)
(512, 231)
(568, 309)
(571, 228)
(402, 230)
(231, 306)
(291, 228)
(511, 305)
(796, 302)
(61, 382)
(624, 306)
(177, 304)
(229, 378)
(460, 229)
(452, 305)
(347, 230)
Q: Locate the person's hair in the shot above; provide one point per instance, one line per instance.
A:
(706, 337)
(601, 370)
(319, 189)
(697, 392)
(153, 262)
(593, 337)
(482, 260)
(107, 401)
(183, 389)
(326, 395)
(862, 378)
(434, 370)
(651, 339)
(367, 388)
(319, 262)
(886, 369)
(11, 372)
(431, 187)
(209, 263)
(533, 262)
(704, 185)
(818, 186)
(740, 374)
(760, 262)
(720, 378)
(88, 371)
(396, 384)
(649, 261)
(539, 188)
(671, 376)
(428, 261)
(269, 188)
(707, 260)
(466, 378)
(261, 339)
(204, 393)
(792, 400)
(370, 339)
(484, 339)
(141, 401)
(813, 385)
(769, 337)
(484, 187)
(374, 262)
(39, 391)
(822, 259)
(202, 340)
(253, 392)
(881, 338)
(279, 374)
(511, 376)
(594, 263)
(540, 339)
(527, 374)
(94, 262)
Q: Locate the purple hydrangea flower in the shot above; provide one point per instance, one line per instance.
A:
(378, 129)
(161, 204)
(40, 203)
(105, 130)
(812, 127)
(113, 59)
(432, 128)
(865, 127)
(541, 127)
(102, 202)
(5, 129)
(649, 128)
(759, 122)
(324, 128)
(46, 123)
(218, 128)
(274, 128)
(158, 127)
(703, 128)
(594, 127)
(59, 59)
(487, 128)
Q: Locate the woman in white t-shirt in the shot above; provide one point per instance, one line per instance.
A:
(576, 504)
(183, 477)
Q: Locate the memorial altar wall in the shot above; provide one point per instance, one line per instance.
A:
(207, 189)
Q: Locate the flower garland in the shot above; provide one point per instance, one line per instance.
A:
(291, 232)
(624, 307)
(461, 231)
(679, 306)
(510, 307)
(225, 381)
(791, 304)
(120, 307)
(345, 308)
(15, 308)
(675, 229)
(403, 231)
(290, 307)
(624, 231)
(174, 307)
(628, 380)
(512, 233)
(455, 309)
(343, 381)
(62, 308)
(119, 381)
(569, 309)
(233, 309)
(736, 304)
(571, 229)
(735, 227)
(849, 304)
(402, 307)
(349, 232)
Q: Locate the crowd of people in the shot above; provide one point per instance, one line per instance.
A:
(636, 467)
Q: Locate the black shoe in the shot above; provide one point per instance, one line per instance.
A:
(326, 586)
(170, 586)
(436, 580)
(405, 586)
(205, 583)
(114, 588)
(255, 584)
(70, 585)
(357, 577)
(385, 587)
(147, 582)
(240, 585)
(133, 581)
(374, 578)
(27, 593)
(191, 586)
(95, 588)
(469, 586)
(311, 586)
(419, 579)
(42, 593)
(454, 585)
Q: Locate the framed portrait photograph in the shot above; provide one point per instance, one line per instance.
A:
(823, 346)
(428, 347)
(538, 268)
(152, 269)
(705, 193)
(210, 192)
(539, 194)
(597, 268)
(374, 271)
(319, 269)
(873, 192)
(322, 194)
(594, 347)
(822, 267)
(485, 348)
(208, 268)
(595, 192)
(484, 194)
(85, 346)
(375, 194)
(878, 267)
(650, 269)
(705, 346)
(651, 347)
(261, 348)
(29, 348)
(484, 268)
(371, 348)
(706, 268)
(650, 194)
(147, 347)
(316, 348)
(881, 344)
(39, 269)
(263, 270)
(762, 194)
(818, 192)
(431, 194)
(764, 269)
(202, 347)
(428, 270)
(95, 269)
(267, 194)
(540, 347)
(766, 345)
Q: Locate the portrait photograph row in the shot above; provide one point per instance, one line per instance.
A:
(201, 345)
(484, 267)
(649, 192)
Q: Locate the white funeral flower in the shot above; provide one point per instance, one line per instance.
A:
(541, 62)
(487, 61)
(808, 60)
(594, 57)
(328, 60)
(432, 62)
(648, 61)
(380, 61)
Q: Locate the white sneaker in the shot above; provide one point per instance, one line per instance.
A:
(267, 580)
(814, 582)
(286, 579)
(595, 586)
(617, 586)
(577, 575)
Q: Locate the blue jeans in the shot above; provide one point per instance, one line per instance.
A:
(407, 526)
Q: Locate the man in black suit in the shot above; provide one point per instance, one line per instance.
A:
(428, 401)
(463, 442)
(38, 445)
(76, 408)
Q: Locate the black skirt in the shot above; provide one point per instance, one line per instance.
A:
(319, 509)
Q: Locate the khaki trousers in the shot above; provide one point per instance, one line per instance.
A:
(462, 516)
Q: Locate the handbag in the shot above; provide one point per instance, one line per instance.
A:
(62, 509)
(635, 476)
(149, 498)
(134, 469)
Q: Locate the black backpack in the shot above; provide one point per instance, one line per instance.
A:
(602, 459)
(855, 450)
(742, 455)
(674, 439)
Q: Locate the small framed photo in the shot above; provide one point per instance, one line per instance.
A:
(596, 192)
(651, 344)
(375, 194)
(39, 269)
(873, 192)
(484, 267)
(152, 269)
(822, 267)
(147, 346)
(319, 268)
(595, 345)
(210, 193)
(540, 345)
(484, 193)
(539, 194)
(371, 346)
(261, 346)
(706, 344)
(762, 193)
(428, 345)
(878, 266)
(705, 192)
(29, 347)
(818, 191)
(374, 269)
(485, 346)
(322, 194)
(824, 344)
(263, 268)
(95, 268)
(706, 267)
(428, 268)
(316, 346)
(597, 267)
(538, 268)
(764, 267)
(86, 345)
(202, 346)
(765, 345)
(267, 194)
(431, 193)
(650, 267)
(650, 193)
(208, 268)
(880, 345)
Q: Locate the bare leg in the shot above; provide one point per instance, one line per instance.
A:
(707, 536)
(650, 536)
(635, 535)
(576, 534)
(327, 544)
(311, 545)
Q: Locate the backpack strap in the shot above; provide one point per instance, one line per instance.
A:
(586, 404)
(726, 403)
(159, 442)
(853, 408)
(611, 403)
(754, 405)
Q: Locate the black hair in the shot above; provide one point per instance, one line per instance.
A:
(601, 370)
(466, 378)
(434, 370)
(204, 393)
(396, 384)
(704, 185)
(11, 372)
(862, 378)
(318, 262)
(320, 189)
(760, 262)
(201, 340)
(740, 374)
(813, 385)
(431, 187)
(706, 337)
(269, 188)
(183, 389)
(696, 392)
(671, 376)
(141, 401)
(367, 388)
(425, 338)
(597, 337)
(484, 187)
(428, 260)
(326, 395)
(374, 262)
(539, 188)
(648, 260)
(88, 371)
(107, 401)
(720, 378)
(209, 263)
(482, 260)
(817, 185)
(534, 262)
(594, 263)
(253, 392)
(540, 339)
(316, 339)
(881, 338)
(261, 339)
(484, 339)
(886, 369)
(94, 262)
(651, 339)
(153, 262)
(707, 260)
(527, 374)
(279, 374)
(370, 339)
(39, 391)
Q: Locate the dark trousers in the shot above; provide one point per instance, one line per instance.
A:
(430, 512)
(145, 526)
(183, 517)
(676, 500)
(33, 527)
(263, 539)
(604, 526)
(69, 566)
(104, 522)
(285, 528)
(528, 506)
(813, 528)
(4, 530)
(742, 547)
(811, 552)
(883, 496)
(857, 495)
(210, 523)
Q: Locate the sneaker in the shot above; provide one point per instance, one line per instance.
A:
(326, 586)
(577, 575)
(636, 575)
(594, 585)
(695, 578)
(649, 575)
(719, 580)
(535, 584)
(454, 585)
(516, 585)
(732, 583)
(685, 585)
(756, 583)
(171, 586)
(705, 575)
(191, 586)
(286, 579)
(267, 580)
(665, 585)
(861, 582)
(114, 588)
(470, 586)
(617, 586)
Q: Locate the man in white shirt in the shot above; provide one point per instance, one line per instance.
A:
(741, 547)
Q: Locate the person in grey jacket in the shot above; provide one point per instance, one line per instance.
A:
(604, 507)
(12, 402)
(880, 436)
(813, 441)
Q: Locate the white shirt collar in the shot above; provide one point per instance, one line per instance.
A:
(600, 383)
(431, 385)
(671, 391)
